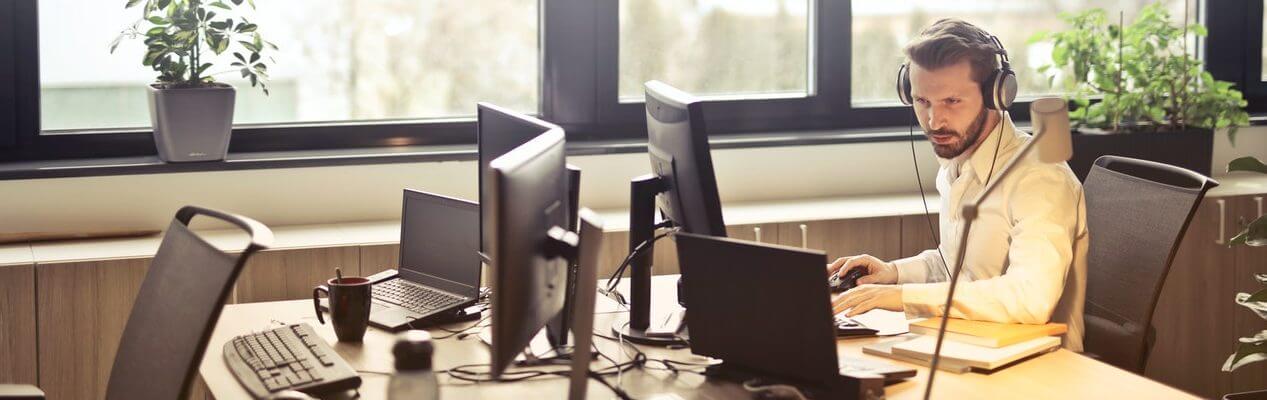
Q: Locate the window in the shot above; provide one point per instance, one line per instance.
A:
(717, 48)
(339, 61)
(882, 28)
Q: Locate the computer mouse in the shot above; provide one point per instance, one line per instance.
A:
(849, 281)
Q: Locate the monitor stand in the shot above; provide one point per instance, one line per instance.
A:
(633, 327)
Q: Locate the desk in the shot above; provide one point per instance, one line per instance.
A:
(1058, 375)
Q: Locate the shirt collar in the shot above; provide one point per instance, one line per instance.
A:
(982, 157)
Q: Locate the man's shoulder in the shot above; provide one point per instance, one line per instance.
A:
(1054, 176)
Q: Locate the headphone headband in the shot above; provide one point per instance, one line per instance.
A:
(997, 92)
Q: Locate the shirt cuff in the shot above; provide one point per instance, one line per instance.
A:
(924, 300)
(912, 269)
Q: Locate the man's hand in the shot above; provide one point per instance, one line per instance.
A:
(877, 271)
(867, 297)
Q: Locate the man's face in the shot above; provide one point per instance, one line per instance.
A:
(949, 107)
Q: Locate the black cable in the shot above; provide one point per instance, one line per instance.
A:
(462, 331)
(613, 281)
(923, 197)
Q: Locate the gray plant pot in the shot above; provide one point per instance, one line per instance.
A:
(192, 124)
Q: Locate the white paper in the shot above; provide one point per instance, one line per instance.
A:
(885, 322)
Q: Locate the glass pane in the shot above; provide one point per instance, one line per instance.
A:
(881, 30)
(748, 48)
(339, 60)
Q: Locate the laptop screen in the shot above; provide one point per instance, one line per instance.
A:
(439, 242)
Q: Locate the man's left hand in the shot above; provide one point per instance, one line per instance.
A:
(867, 297)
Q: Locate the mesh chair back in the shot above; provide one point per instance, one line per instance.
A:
(1137, 212)
(177, 308)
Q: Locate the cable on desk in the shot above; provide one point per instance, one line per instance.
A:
(615, 277)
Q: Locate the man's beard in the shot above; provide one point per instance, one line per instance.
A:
(969, 138)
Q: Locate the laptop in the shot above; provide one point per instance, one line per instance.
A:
(439, 272)
(765, 311)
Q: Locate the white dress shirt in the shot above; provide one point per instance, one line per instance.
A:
(1026, 258)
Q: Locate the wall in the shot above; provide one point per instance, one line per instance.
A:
(372, 192)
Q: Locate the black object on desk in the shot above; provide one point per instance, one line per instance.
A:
(765, 310)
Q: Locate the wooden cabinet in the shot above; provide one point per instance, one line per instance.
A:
(880, 237)
(1249, 261)
(1193, 317)
(83, 308)
(1197, 321)
(17, 324)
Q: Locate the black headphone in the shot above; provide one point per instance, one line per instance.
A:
(997, 92)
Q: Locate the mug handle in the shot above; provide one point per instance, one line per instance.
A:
(316, 301)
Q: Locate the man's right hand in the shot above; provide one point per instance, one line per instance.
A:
(878, 272)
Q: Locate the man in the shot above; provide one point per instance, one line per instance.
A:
(1026, 253)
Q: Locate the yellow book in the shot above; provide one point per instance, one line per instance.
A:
(987, 334)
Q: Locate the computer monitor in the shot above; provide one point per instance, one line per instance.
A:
(682, 187)
(527, 219)
(678, 147)
(498, 131)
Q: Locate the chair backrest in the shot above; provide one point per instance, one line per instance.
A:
(1137, 212)
(177, 308)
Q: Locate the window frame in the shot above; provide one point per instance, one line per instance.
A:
(578, 89)
(1234, 48)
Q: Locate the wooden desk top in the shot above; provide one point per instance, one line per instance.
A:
(1058, 375)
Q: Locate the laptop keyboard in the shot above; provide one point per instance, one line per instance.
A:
(415, 298)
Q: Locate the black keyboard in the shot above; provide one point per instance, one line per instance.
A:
(289, 357)
(416, 298)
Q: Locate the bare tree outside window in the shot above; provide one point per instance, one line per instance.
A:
(740, 48)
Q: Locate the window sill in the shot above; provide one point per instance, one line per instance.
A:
(404, 154)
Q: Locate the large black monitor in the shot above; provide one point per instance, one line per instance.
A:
(682, 187)
(498, 131)
(680, 157)
(527, 218)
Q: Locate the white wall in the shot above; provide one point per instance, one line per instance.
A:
(372, 192)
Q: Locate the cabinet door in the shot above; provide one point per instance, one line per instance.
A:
(1194, 314)
(764, 233)
(916, 234)
(82, 309)
(880, 237)
(1249, 261)
(17, 324)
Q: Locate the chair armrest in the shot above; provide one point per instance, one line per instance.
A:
(20, 392)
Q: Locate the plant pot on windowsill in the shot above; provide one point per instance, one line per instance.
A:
(192, 123)
(1190, 148)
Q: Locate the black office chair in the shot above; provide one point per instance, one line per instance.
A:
(174, 313)
(1137, 212)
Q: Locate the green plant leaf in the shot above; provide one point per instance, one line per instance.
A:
(220, 4)
(1248, 351)
(1254, 235)
(1250, 164)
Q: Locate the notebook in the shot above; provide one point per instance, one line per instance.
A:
(987, 334)
(974, 356)
(885, 349)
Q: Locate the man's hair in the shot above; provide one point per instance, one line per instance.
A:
(949, 41)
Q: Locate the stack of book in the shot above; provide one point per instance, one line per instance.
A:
(971, 344)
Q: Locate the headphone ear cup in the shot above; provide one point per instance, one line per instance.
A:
(1006, 89)
(904, 85)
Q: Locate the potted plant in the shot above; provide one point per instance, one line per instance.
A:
(191, 113)
(1254, 348)
(1154, 99)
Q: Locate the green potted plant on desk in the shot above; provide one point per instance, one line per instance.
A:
(1137, 91)
(1254, 348)
(191, 113)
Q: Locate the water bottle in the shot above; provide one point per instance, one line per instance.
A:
(414, 378)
